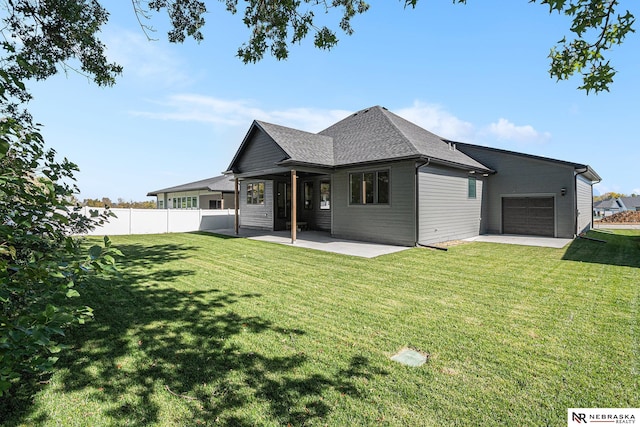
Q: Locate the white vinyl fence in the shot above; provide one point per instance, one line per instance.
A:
(154, 221)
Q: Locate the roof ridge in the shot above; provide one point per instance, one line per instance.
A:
(386, 113)
(261, 122)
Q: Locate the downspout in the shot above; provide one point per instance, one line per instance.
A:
(416, 204)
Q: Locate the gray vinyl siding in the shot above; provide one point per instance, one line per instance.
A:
(520, 176)
(228, 201)
(445, 212)
(393, 223)
(584, 194)
(256, 216)
(260, 153)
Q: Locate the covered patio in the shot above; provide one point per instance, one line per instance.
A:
(318, 240)
(298, 200)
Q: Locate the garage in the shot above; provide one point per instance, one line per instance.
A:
(528, 215)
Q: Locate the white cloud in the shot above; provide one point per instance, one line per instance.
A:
(439, 121)
(240, 113)
(150, 61)
(505, 130)
(601, 188)
(206, 109)
(635, 191)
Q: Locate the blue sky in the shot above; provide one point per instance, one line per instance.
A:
(476, 73)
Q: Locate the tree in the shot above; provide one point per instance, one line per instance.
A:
(121, 203)
(40, 261)
(609, 195)
(41, 264)
(275, 25)
(42, 36)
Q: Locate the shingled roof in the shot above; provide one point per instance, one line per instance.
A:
(631, 203)
(219, 183)
(376, 134)
(301, 146)
(608, 204)
(370, 135)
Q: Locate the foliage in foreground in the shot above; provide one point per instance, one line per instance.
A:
(41, 263)
(40, 36)
(205, 330)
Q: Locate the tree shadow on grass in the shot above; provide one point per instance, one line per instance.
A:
(602, 247)
(151, 343)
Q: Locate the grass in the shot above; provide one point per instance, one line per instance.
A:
(205, 330)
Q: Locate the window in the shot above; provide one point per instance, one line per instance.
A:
(383, 187)
(215, 204)
(194, 202)
(369, 188)
(355, 183)
(472, 188)
(325, 195)
(308, 195)
(175, 203)
(160, 204)
(255, 193)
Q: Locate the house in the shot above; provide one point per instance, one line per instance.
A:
(607, 207)
(612, 206)
(631, 203)
(212, 193)
(375, 176)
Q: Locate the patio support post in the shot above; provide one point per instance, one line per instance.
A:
(294, 203)
(236, 222)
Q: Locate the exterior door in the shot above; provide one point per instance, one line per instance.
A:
(283, 204)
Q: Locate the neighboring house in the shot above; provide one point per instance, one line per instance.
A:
(631, 203)
(607, 207)
(375, 176)
(212, 193)
(612, 206)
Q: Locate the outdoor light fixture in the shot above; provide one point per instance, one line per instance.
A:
(563, 191)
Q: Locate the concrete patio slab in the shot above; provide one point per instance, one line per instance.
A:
(316, 240)
(546, 242)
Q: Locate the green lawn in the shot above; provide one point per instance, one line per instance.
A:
(205, 330)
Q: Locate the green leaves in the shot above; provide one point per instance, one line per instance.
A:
(596, 29)
(276, 25)
(42, 264)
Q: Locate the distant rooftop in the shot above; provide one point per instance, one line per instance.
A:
(219, 183)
